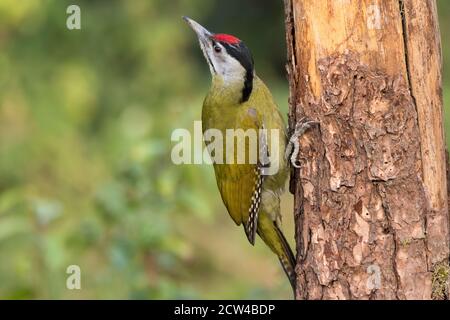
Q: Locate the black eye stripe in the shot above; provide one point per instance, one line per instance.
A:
(242, 54)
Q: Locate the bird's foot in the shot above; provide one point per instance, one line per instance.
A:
(293, 147)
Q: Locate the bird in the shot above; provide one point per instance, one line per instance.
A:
(239, 99)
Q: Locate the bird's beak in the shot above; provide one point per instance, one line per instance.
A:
(202, 34)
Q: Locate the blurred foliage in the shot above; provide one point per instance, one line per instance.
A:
(85, 173)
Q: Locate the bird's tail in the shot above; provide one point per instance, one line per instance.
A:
(271, 234)
(287, 259)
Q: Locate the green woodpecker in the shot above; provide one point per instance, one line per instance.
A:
(238, 99)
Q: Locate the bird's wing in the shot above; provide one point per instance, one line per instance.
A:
(240, 188)
(240, 185)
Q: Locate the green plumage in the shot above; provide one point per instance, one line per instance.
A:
(223, 110)
(238, 99)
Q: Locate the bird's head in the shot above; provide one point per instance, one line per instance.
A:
(227, 56)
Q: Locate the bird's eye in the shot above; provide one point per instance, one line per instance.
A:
(217, 48)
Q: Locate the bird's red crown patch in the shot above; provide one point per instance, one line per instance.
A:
(226, 38)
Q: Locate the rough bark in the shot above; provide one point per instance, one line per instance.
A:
(371, 199)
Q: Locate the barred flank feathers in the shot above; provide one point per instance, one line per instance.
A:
(251, 226)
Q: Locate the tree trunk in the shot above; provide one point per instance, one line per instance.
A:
(371, 195)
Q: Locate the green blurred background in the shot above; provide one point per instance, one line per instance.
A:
(85, 172)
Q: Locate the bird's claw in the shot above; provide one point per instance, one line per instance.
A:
(293, 147)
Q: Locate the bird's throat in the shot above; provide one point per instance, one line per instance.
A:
(233, 90)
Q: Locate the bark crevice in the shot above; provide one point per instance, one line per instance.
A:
(367, 213)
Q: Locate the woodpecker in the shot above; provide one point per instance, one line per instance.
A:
(239, 99)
